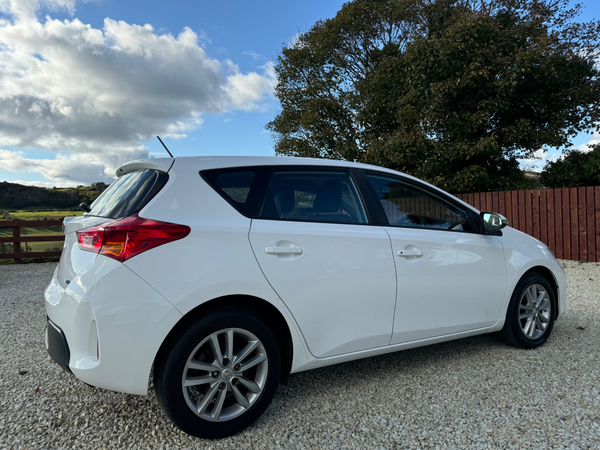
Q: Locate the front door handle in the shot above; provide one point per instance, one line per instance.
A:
(278, 250)
(412, 252)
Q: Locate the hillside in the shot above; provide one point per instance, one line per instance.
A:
(17, 196)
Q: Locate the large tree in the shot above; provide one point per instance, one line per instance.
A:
(452, 91)
(575, 169)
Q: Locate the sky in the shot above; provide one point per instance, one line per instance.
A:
(86, 85)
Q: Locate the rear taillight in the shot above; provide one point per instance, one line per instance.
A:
(124, 238)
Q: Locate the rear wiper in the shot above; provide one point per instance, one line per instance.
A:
(84, 207)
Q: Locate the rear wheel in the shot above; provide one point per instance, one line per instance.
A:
(220, 375)
(531, 313)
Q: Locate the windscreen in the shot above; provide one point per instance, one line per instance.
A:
(128, 194)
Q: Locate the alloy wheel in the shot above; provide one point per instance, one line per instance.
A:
(535, 309)
(225, 374)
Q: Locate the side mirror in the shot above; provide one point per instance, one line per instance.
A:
(493, 221)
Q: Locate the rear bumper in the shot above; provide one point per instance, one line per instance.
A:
(57, 346)
(107, 326)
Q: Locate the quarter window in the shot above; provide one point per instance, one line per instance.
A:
(312, 196)
(240, 186)
(235, 185)
(408, 206)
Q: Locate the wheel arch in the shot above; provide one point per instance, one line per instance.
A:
(262, 308)
(548, 275)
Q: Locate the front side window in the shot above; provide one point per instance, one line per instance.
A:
(408, 206)
(312, 196)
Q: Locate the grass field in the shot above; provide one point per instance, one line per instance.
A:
(52, 214)
(32, 214)
(35, 246)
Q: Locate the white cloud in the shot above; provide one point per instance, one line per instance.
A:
(45, 184)
(25, 9)
(245, 90)
(537, 163)
(94, 94)
(593, 139)
(74, 168)
(255, 56)
(539, 160)
(294, 40)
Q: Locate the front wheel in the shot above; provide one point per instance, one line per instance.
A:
(220, 375)
(531, 313)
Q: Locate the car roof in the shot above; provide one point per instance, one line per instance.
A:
(217, 162)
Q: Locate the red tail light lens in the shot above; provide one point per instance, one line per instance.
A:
(124, 238)
(90, 239)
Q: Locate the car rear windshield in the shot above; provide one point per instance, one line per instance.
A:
(128, 194)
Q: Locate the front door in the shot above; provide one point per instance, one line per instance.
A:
(450, 278)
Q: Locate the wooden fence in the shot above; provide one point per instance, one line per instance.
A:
(16, 238)
(566, 220)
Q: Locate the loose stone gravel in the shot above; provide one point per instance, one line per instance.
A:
(469, 394)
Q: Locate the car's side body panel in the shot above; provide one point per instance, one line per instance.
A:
(342, 287)
(523, 253)
(99, 313)
(214, 261)
(73, 262)
(314, 363)
(457, 285)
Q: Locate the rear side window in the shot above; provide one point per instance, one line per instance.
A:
(240, 186)
(128, 194)
(312, 196)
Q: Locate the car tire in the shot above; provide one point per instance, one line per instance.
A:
(531, 313)
(219, 374)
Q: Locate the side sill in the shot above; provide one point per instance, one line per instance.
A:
(323, 362)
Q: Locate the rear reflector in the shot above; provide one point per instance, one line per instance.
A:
(125, 238)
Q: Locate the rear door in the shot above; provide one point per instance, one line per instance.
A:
(451, 279)
(335, 271)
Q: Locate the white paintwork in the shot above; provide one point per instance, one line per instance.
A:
(458, 284)
(522, 253)
(215, 260)
(74, 262)
(315, 363)
(336, 288)
(341, 288)
(162, 164)
(108, 295)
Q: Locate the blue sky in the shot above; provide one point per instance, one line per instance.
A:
(87, 84)
(249, 33)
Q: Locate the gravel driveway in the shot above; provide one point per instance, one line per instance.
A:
(474, 393)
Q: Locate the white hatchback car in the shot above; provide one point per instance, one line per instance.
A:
(226, 274)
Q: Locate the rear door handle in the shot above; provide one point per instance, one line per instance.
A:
(404, 253)
(278, 250)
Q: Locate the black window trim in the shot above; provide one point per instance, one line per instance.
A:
(254, 195)
(473, 216)
(366, 204)
(370, 200)
(377, 213)
(160, 182)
